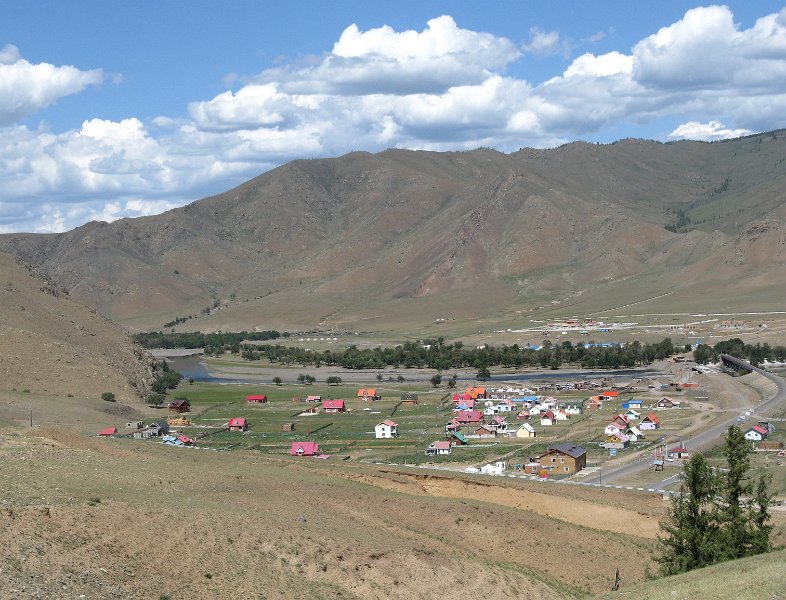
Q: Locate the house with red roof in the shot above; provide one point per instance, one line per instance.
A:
(238, 424)
(439, 449)
(181, 405)
(368, 394)
(333, 406)
(620, 420)
(304, 449)
(477, 392)
(469, 417)
(757, 433)
(256, 399)
(386, 429)
(548, 418)
(108, 432)
(452, 426)
(593, 403)
(649, 422)
(461, 398)
(679, 452)
(609, 395)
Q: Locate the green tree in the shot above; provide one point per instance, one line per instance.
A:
(108, 397)
(452, 382)
(760, 515)
(155, 399)
(483, 373)
(277, 380)
(436, 380)
(736, 487)
(692, 534)
(379, 377)
(400, 379)
(333, 380)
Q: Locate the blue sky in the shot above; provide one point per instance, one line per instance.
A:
(113, 109)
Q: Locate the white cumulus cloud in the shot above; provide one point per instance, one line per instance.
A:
(441, 88)
(707, 132)
(26, 88)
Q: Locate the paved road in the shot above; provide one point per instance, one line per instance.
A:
(703, 439)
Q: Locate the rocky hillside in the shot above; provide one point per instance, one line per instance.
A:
(55, 346)
(480, 234)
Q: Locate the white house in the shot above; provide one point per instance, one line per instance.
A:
(757, 433)
(548, 418)
(612, 429)
(561, 415)
(497, 468)
(438, 449)
(386, 429)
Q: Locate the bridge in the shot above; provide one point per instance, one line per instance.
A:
(709, 437)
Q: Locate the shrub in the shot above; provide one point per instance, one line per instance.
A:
(108, 397)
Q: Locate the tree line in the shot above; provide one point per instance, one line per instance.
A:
(755, 354)
(436, 354)
(229, 340)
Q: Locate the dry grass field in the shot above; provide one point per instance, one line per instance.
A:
(114, 518)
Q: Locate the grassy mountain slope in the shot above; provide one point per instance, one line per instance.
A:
(481, 235)
(52, 345)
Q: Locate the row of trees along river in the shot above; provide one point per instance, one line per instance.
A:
(429, 353)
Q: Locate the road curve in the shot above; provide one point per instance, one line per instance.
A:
(705, 438)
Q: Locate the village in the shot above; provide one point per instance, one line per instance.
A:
(550, 431)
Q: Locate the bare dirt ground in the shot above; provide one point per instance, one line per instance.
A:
(124, 519)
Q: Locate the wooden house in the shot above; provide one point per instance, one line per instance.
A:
(180, 405)
(256, 399)
(564, 459)
(410, 398)
(484, 432)
(593, 403)
(667, 402)
(238, 424)
(333, 406)
(457, 439)
(368, 395)
(304, 449)
(289, 426)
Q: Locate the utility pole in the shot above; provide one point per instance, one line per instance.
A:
(31, 417)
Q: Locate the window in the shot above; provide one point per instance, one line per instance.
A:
(567, 469)
(553, 460)
(561, 460)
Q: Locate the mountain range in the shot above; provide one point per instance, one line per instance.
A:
(402, 239)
